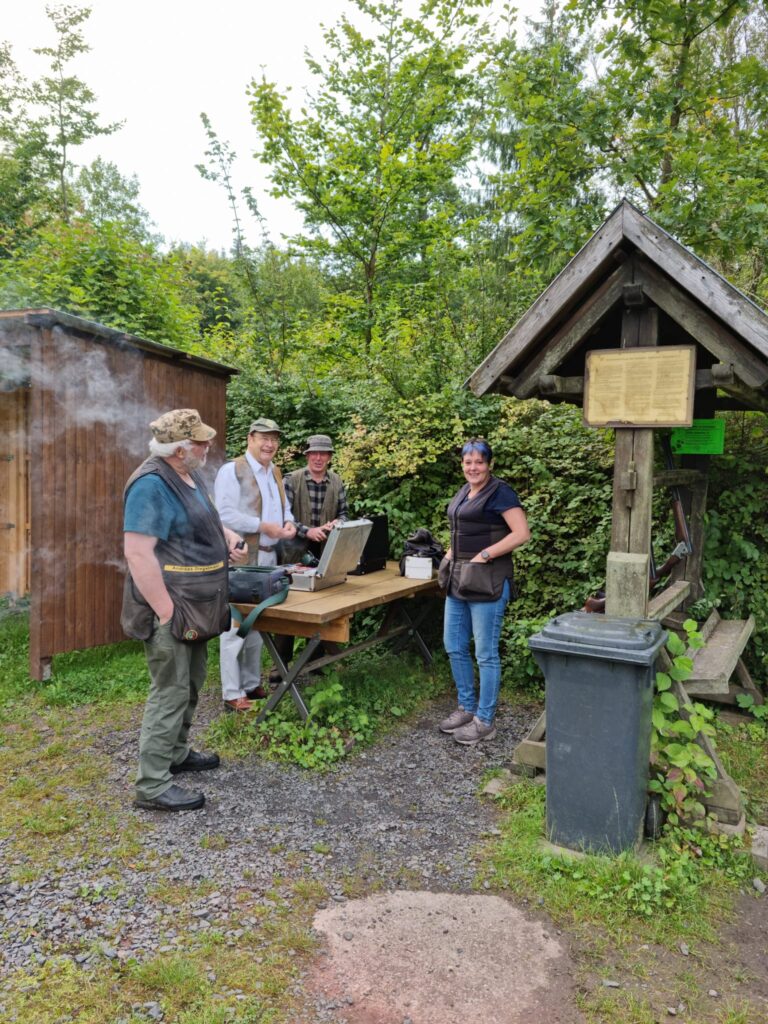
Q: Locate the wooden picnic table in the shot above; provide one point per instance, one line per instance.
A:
(326, 616)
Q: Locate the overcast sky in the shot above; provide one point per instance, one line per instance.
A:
(156, 64)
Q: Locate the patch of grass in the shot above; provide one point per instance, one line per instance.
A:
(348, 708)
(744, 752)
(676, 895)
(213, 841)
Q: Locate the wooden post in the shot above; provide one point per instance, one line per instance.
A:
(632, 484)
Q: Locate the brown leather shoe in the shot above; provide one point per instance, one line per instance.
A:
(257, 693)
(240, 704)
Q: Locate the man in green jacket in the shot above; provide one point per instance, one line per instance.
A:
(318, 501)
(316, 494)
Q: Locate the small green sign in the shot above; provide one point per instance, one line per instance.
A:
(705, 437)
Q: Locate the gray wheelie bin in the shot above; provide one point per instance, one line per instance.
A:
(599, 674)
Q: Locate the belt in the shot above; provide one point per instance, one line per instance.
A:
(262, 548)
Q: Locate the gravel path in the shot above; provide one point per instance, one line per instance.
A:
(401, 814)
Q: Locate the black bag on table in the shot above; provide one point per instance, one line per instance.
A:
(421, 544)
(252, 584)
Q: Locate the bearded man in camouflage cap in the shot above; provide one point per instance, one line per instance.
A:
(175, 598)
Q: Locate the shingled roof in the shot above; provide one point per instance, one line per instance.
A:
(631, 260)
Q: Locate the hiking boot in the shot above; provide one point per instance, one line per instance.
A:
(195, 761)
(173, 799)
(473, 733)
(455, 720)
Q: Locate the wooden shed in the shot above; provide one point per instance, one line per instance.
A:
(76, 399)
(632, 285)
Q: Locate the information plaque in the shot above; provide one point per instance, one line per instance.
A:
(705, 437)
(640, 387)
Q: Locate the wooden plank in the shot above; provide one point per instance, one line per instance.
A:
(670, 598)
(577, 327)
(746, 395)
(358, 593)
(575, 277)
(531, 753)
(707, 287)
(714, 664)
(337, 630)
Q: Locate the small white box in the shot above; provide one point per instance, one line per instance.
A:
(418, 568)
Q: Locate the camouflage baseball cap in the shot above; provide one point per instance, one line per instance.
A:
(181, 425)
(264, 426)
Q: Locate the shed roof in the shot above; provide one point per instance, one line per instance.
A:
(628, 251)
(46, 317)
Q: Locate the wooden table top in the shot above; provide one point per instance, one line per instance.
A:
(359, 592)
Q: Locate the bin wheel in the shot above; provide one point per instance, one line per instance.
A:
(654, 817)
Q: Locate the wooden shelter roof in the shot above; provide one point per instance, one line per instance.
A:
(631, 260)
(46, 317)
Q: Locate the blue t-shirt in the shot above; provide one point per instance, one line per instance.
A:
(153, 509)
(503, 500)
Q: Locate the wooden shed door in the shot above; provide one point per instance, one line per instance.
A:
(14, 493)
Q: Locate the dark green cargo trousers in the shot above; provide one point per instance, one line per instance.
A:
(177, 671)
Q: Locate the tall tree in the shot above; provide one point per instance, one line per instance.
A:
(62, 106)
(373, 157)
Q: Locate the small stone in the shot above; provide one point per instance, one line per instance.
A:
(671, 1011)
(758, 885)
(713, 993)
(684, 949)
(611, 984)
(349, 936)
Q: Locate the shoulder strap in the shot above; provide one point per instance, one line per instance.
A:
(246, 624)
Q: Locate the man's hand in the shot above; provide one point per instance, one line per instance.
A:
(329, 525)
(238, 549)
(318, 534)
(287, 532)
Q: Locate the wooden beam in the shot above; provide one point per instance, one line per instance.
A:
(748, 396)
(668, 600)
(550, 384)
(694, 318)
(572, 280)
(678, 478)
(576, 328)
(626, 585)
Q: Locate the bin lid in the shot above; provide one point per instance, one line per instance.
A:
(601, 636)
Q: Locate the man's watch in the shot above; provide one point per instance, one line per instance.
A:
(485, 556)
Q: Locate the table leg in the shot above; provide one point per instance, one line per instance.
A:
(414, 621)
(288, 677)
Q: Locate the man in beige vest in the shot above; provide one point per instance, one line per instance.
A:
(249, 492)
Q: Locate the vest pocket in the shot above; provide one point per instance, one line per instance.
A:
(475, 581)
(200, 610)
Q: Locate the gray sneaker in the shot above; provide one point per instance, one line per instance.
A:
(474, 732)
(455, 720)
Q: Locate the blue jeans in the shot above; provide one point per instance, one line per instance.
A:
(481, 620)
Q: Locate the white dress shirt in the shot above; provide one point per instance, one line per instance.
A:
(233, 507)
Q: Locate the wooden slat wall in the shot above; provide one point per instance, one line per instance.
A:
(14, 488)
(82, 455)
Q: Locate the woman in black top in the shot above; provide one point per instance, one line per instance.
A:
(487, 523)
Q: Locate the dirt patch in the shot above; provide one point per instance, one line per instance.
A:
(439, 958)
